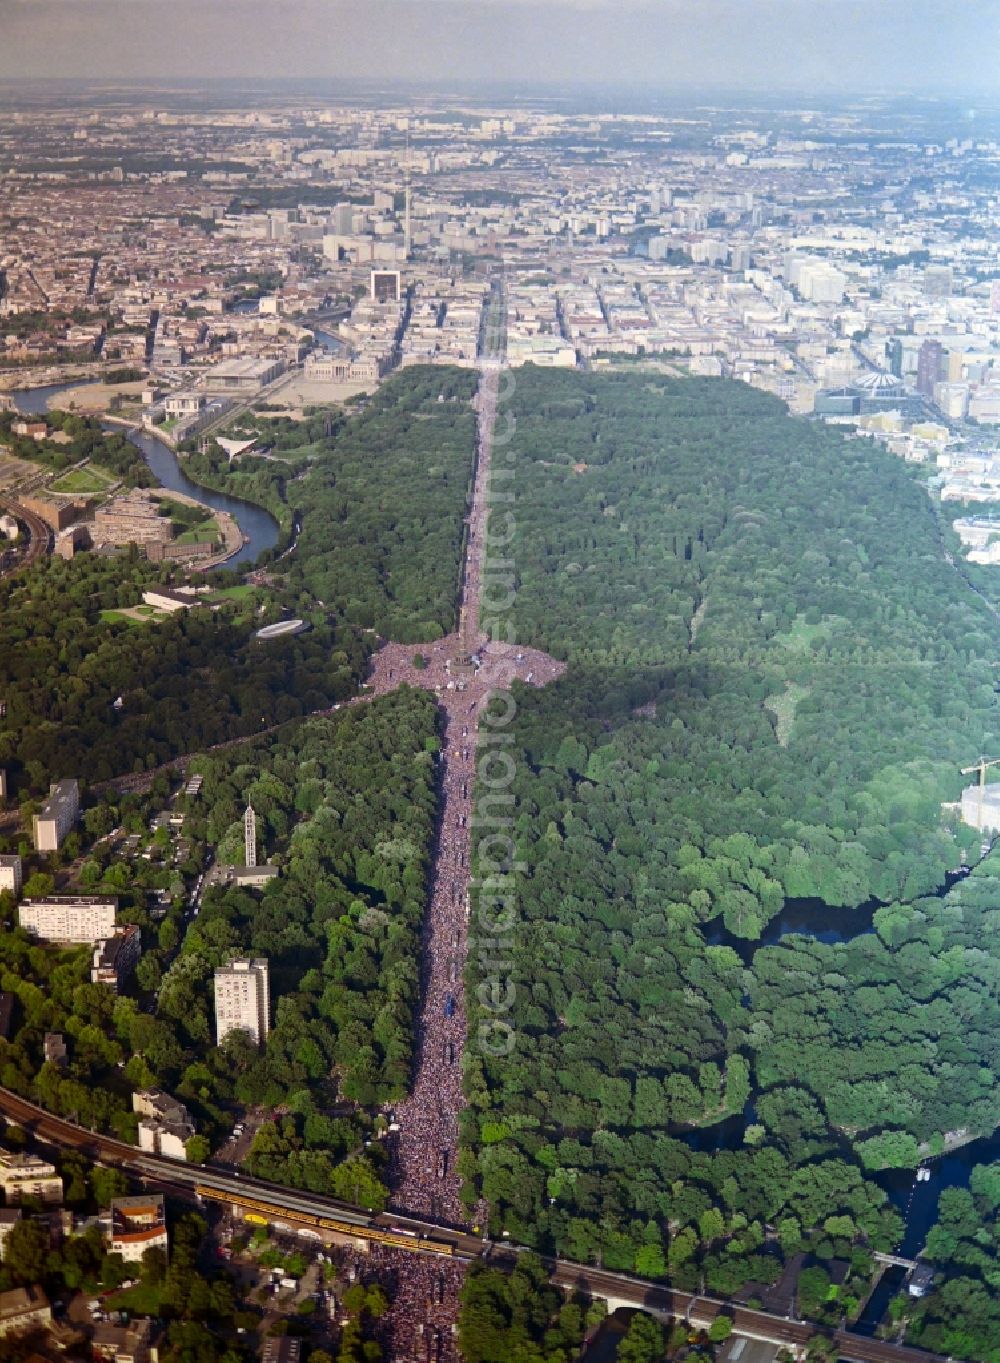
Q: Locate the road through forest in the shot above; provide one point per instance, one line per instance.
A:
(424, 1168)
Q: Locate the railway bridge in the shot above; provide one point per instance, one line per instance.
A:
(423, 1236)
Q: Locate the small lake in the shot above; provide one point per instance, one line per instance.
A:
(799, 917)
(259, 526)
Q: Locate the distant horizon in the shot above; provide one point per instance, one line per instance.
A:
(637, 94)
(812, 47)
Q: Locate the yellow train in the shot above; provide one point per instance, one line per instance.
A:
(256, 1211)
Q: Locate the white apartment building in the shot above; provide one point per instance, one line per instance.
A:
(57, 815)
(10, 874)
(69, 919)
(137, 1224)
(24, 1176)
(242, 1000)
(165, 1125)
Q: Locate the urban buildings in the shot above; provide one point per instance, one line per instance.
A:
(24, 1176)
(165, 1125)
(23, 1309)
(133, 518)
(242, 1000)
(10, 873)
(9, 1217)
(385, 286)
(129, 1343)
(116, 957)
(135, 1225)
(57, 815)
(69, 919)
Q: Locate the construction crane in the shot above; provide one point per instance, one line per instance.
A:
(981, 766)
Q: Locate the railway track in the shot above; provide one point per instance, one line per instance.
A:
(39, 536)
(428, 1239)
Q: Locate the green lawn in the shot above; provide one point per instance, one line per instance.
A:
(83, 480)
(113, 616)
(205, 530)
(141, 1300)
(233, 593)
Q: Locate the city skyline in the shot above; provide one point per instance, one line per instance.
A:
(819, 45)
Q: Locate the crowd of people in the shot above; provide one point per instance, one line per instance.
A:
(463, 669)
(420, 1325)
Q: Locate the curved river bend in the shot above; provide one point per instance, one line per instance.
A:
(259, 526)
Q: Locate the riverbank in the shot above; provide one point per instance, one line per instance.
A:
(253, 530)
(248, 529)
(48, 376)
(94, 397)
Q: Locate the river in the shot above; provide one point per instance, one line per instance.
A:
(326, 339)
(259, 526)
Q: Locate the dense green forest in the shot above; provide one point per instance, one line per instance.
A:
(345, 806)
(186, 683)
(381, 493)
(775, 675)
(382, 507)
(506, 1316)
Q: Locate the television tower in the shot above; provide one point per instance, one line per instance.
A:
(250, 836)
(406, 196)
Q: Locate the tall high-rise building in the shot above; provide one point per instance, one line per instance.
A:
(386, 286)
(250, 836)
(242, 1000)
(57, 815)
(894, 356)
(343, 219)
(929, 362)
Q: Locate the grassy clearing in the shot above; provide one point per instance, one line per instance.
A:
(783, 706)
(84, 480)
(802, 635)
(141, 1300)
(240, 593)
(204, 530)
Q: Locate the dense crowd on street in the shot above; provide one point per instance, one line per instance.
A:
(463, 669)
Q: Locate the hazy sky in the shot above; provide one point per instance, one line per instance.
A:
(823, 44)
